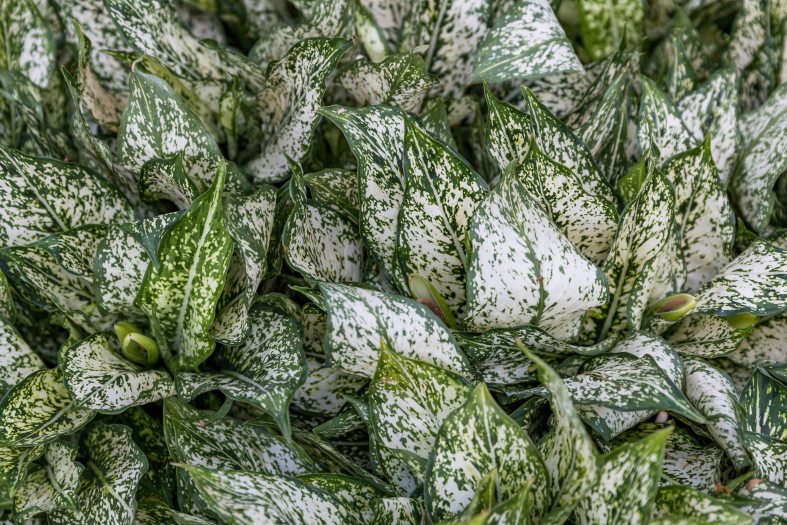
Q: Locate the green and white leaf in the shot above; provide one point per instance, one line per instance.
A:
(245, 498)
(15, 464)
(288, 104)
(396, 511)
(764, 400)
(442, 191)
(44, 196)
(522, 270)
(38, 410)
(337, 189)
(99, 379)
(764, 345)
(17, 359)
(474, 441)
(357, 495)
(264, 371)
(63, 469)
(713, 393)
(35, 495)
(526, 42)
(691, 503)
(686, 462)
(28, 47)
(768, 455)
(359, 319)
(767, 502)
(180, 296)
(400, 80)
(706, 336)
(608, 26)
(408, 402)
(109, 483)
(660, 124)
(629, 479)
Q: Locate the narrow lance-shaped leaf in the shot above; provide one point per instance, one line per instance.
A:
(288, 105)
(265, 371)
(109, 483)
(473, 441)
(99, 379)
(629, 479)
(660, 124)
(180, 296)
(28, 47)
(408, 402)
(358, 319)
(568, 452)
(526, 42)
(441, 193)
(514, 276)
(38, 410)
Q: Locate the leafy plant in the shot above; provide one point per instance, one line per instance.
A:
(391, 262)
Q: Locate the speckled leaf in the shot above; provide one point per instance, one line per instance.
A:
(337, 189)
(660, 123)
(522, 270)
(453, 31)
(157, 125)
(355, 494)
(319, 242)
(767, 502)
(713, 108)
(7, 308)
(473, 441)
(408, 401)
(764, 401)
(704, 220)
(288, 105)
(396, 511)
(755, 282)
(691, 503)
(358, 319)
(607, 25)
(765, 344)
(629, 478)
(109, 483)
(442, 191)
(35, 495)
(244, 498)
(526, 42)
(180, 296)
(167, 179)
(686, 462)
(569, 454)
(44, 196)
(63, 469)
(17, 359)
(588, 221)
(376, 137)
(15, 464)
(152, 509)
(763, 161)
(99, 379)
(705, 336)
(200, 438)
(497, 358)
(265, 371)
(27, 45)
(768, 455)
(38, 409)
(399, 80)
(713, 393)
(630, 269)
(508, 131)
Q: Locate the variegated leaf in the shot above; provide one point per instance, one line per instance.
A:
(660, 124)
(569, 454)
(713, 109)
(376, 137)
(152, 509)
(396, 511)
(589, 222)
(359, 319)
(473, 441)
(442, 191)
(765, 344)
(38, 410)
(705, 336)
(764, 401)
(17, 359)
(288, 105)
(400, 80)
(522, 270)
(320, 242)
(245, 498)
(713, 393)
(337, 189)
(691, 503)
(497, 358)
(355, 494)
(35, 495)
(99, 379)
(629, 480)
(754, 283)
(526, 42)
(607, 25)
(766, 502)
(63, 469)
(109, 483)
(686, 462)
(768, 455)
(704, 220)
(157, 125)
(44, 196)
(28, 47)
(180, 296)
(408, 402)
(15, 463)
(452, 31)
(630, 268)
(198, 437)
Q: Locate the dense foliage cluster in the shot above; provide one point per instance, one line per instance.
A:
(393, 262)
